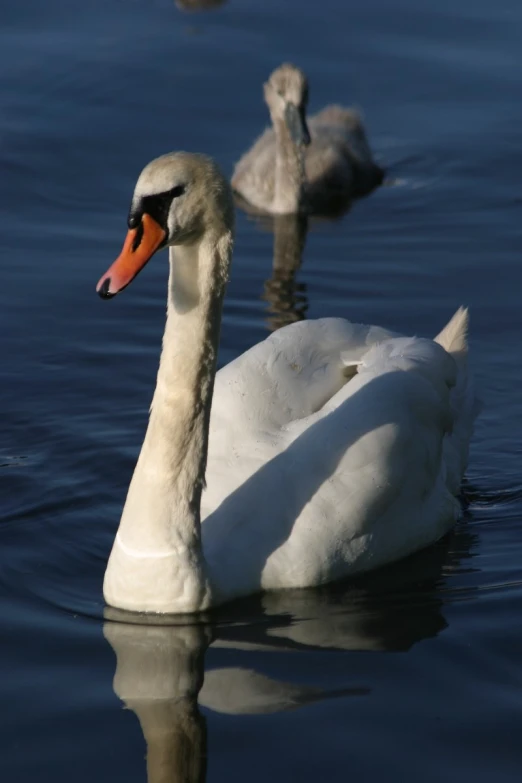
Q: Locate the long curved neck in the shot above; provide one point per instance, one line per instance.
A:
(159, 530)
(174, 452)
(290, 177)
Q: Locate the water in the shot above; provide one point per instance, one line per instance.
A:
(412, 674)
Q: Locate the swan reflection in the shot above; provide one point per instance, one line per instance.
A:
(159, 672)
(198, 5)
(286, 296)
(160, 677)
(160, 661)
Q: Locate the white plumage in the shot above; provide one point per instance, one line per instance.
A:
(312, 477)
(333, 448)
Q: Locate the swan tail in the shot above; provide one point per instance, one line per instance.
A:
(454, 336)
(464, 403)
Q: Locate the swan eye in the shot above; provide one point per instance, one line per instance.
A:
(156, 205)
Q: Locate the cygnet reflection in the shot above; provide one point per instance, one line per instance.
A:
(286, 296)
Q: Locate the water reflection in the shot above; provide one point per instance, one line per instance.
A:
(389, 610)
(287, 297)
(160, 677)
(160, 670)
(198, 5)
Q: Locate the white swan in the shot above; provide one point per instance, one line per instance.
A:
(333, 448)
(314, 166)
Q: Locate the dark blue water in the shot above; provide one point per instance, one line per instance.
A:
(413, 674)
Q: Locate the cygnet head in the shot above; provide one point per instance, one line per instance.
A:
(286, 94)
(178, 199)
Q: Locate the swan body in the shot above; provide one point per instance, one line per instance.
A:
(313, 165)
(338, 476)
(332, 448)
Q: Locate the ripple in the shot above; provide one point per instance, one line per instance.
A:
(17, 461)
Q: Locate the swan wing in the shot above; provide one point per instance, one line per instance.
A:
(283, 379)
(290, 375)
(357, 480)
(343, 127)
(340, 159)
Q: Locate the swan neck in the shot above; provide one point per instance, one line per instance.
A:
(177, 436)
(290, 177)
(160, 525)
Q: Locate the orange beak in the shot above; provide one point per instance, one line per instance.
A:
(133, 257)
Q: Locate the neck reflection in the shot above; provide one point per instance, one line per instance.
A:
(161, 673)
(287, 298)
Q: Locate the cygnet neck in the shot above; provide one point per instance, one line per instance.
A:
(290, 178)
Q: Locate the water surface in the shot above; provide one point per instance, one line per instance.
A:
(412, 674)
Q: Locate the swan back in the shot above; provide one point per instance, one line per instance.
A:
(348, 473)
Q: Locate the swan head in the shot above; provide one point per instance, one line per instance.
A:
(286, 94)
(178, 199)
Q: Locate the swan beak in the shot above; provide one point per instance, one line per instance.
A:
(140, 245)
(296, 124)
